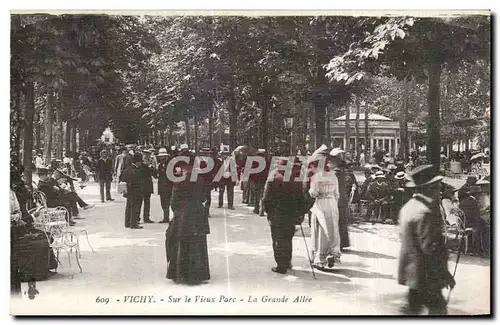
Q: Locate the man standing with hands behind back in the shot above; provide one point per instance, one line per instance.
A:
(105, 174)
(423, 260)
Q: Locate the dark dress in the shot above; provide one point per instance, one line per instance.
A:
(186, 235)
(343, 205)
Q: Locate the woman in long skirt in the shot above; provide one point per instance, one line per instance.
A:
(325, 234)
(186, 236)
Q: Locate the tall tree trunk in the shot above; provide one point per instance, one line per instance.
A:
(233, 121)
(195, 133)
(347, 131)
(211, 125)
(38, 129)
(319, 119)
(328, 129)
(74, 149)
(403, 122)
(293, 136)
(81, 139)
(356, 126)
(18, 116)
(312, 130)
(59, 130)
(29, 112)
(264, 123)
(367, 139)
(186, 124)
(169, 136)
(433, 121)
(48, 127)
(67, 137)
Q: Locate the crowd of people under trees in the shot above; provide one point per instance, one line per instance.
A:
(328, 193)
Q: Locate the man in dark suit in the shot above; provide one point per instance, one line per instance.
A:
(164, 184)
(207, 179)
(285, 205)
(226, 181)
(148, 170)
(423, 260)
(105, 174)
(58, 196)
(259, 181)
(134, 178)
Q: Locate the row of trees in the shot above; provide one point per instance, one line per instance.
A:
(69, 71)
(158, 79)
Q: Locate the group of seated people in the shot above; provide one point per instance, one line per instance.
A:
(32, 259)
(384, 192)
(474, 201)
(59, 191)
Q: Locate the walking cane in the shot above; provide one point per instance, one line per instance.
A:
(307, 249)
(456, 265)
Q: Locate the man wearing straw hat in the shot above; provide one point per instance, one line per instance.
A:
(423, 259)
(378, 194)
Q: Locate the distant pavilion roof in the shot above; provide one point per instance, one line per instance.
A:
(371, 117)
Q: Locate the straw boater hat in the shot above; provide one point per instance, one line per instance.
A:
(184, 146)
(424, 175)
(336, 152)
(482, 182)
(162, 152)
(400, 175)
(379, 174)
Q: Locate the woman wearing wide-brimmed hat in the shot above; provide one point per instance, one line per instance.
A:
(324, 189)
(186, 235)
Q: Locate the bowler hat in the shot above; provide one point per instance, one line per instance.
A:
(424, 175)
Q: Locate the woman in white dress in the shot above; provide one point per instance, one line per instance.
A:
(325, 234)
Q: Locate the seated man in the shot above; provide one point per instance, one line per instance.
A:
(463, 191)
(57, 195)
(378, 194)
(471, 208)
(400, 194)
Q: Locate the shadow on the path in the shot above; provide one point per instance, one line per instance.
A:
(367, 254)
(354, 264)
(350, 273)
(320, 275)
(470, 259)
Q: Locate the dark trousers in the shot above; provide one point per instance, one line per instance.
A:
(282, 244)
(73, 198)
(133, 211)
(70, 201)
(165, 204)
(259, 191)
(230, 194)
(207, 192)
(381, 210)
(251, 192)
(108, 189)
(431, 298)
(244, 188)
(147, 207)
